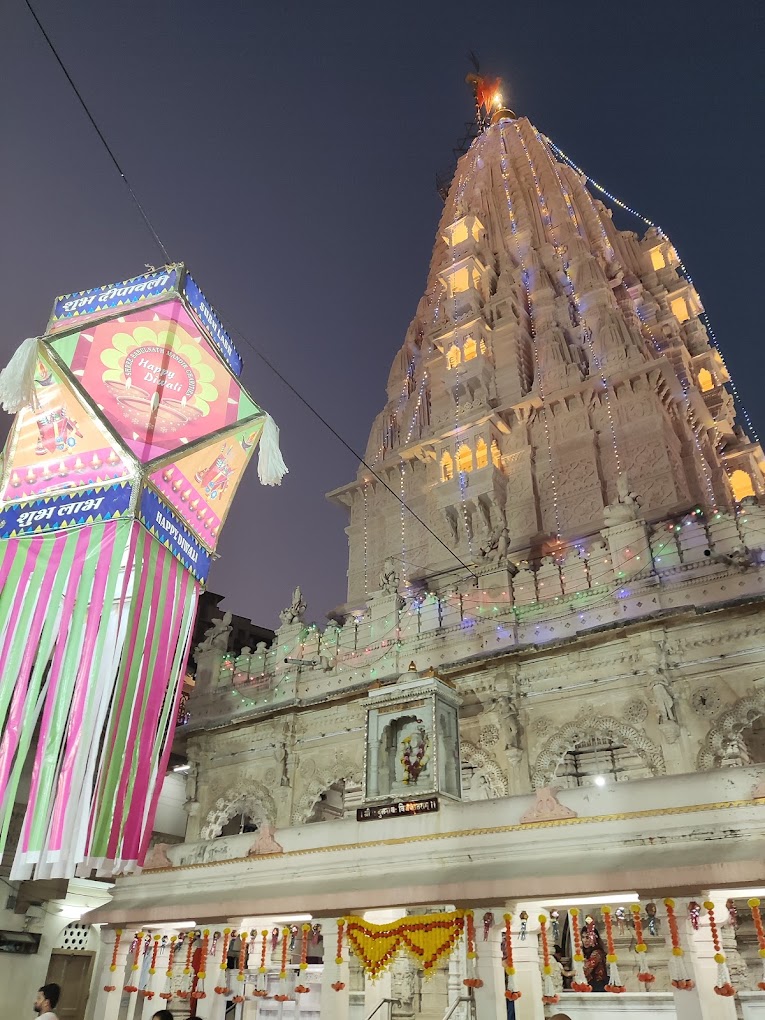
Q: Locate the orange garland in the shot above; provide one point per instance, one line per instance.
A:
(677, 969)
(223, 989)
(168, 992)
(511, 992)
(644, 973)
(340, 931)
(185, 992)
(614, 978)
(580, 983)
(306, 929)
(113, 964)
(723, 986)
(136, 951)
(754, 906)
(549, 996)
(242, 955)
(263, 950)
(472, 955)
(199, 992)
(285, 944)
(427, 938)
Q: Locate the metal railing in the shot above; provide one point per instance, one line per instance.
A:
(459, 1002)
(379, 1006)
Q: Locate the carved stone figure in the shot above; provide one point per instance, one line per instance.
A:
(294, 611)
(507, 713)
(403, 988)
(389, 578)
(665, 703)
(497, 545)
(216, 636)
(626, 508)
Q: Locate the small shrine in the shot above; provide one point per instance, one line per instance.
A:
(412, 739)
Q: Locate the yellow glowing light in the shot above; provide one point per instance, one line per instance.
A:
(497, 99)
(657, 258)
(742, 486)
(706, 382)
(679, 308)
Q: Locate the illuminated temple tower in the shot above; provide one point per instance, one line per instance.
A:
(550, 354)
(553, 698)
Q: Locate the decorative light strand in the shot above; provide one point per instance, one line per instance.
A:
(683, 268)
(754, 906)
(549, 995)
(678, 972)
(644, 972)
(614, 977)
(525, 278)
(580, 982)
(723, 986)
(511, 991)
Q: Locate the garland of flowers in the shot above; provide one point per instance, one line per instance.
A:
(240, 995)
(754, 906)
(285, 946)
(339, 985)
(263, 950)
(184, 991)
(511, 992)
(723, 986)
(168, 992)
(147, 993)
(199, 992)
(113, 964)
(644, 972)
(580, 983)
(549, 996)
(472, 954)
(133, 987)
(427, 938)
(614, 977)
(223, 989)
(678, 972)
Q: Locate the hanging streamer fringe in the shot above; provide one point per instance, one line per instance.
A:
(271, 466)
(17, 379)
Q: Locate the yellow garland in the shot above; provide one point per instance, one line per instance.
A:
(426, 938)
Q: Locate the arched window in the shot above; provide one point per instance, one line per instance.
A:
(464, 459)
(447, 466)
(706, 382)
(481, 453)
(469, 349)
(600, 761)
(453, 356)
(742, 485)
(496, 456)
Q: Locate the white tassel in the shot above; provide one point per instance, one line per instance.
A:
(271, 466)
(17, 379)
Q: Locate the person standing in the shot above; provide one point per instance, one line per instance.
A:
(46, 1001)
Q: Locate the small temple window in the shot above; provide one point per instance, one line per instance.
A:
(496, 456)
(459, 232)
(679, 308)
(461, 280)
(469, 349)
(657, 258)
(447, 467)
(453, 356)
(742, 485)
(464, 459)
(481, 453)
(706, 382)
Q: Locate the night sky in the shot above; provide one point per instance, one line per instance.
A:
(287, 152)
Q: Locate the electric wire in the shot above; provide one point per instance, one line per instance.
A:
(266, 361)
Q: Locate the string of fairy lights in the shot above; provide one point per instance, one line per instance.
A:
(683, 269)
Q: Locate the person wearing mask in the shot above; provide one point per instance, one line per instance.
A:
(46, 1001)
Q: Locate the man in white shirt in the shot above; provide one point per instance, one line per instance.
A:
(46, 1002)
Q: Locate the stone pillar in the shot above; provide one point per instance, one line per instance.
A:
(455, 987)
(629, 548)
(528, 974)
(490, 997)
(334, 1004)
(106, 1005)
(701, 1002)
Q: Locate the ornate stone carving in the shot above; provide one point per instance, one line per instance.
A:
(706, 701)
(265, 843)
(636, 711)
(489, 735)
(322, 775)
(583, 729)
(255, 801)
(546, 807)
(295, 610)
(494, 779)
(216, 636)
(727, 729)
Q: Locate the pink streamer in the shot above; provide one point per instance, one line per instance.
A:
(74, 728)
(170, 734)
(136, 720)
(19, 707)
(53, 680)
(26, 572)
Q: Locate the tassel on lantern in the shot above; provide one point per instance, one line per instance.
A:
(271, 466)
(17, 379)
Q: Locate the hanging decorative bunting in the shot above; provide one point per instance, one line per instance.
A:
(580, 982)
(678, 972)
(614, 978)
(644, 972)
(723, 985)
(511, 992)
(426, 938)
(549, 995)
(131, 436)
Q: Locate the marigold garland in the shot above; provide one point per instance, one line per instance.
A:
(224, 989)
(306, 929)
(549, 996)
(614, 977)
(185, 991)
(133, 987)
(285, 946)
(511, 992)
(168, 992)
(243, 955)
(580, 982)
(199, 992)
(754, 906)
(677, 970)
(644, 973)
(263, 950)
(426, 938)
(723, 986)
(117, 940)
(472, 953)
(340, 932)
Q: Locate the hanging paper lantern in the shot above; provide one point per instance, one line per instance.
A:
(131, 435)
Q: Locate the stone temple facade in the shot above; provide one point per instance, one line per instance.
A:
(568, 661)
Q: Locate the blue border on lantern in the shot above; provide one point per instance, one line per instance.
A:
(210, 323)
(65, 510)
(161, 522)
(113, 295)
